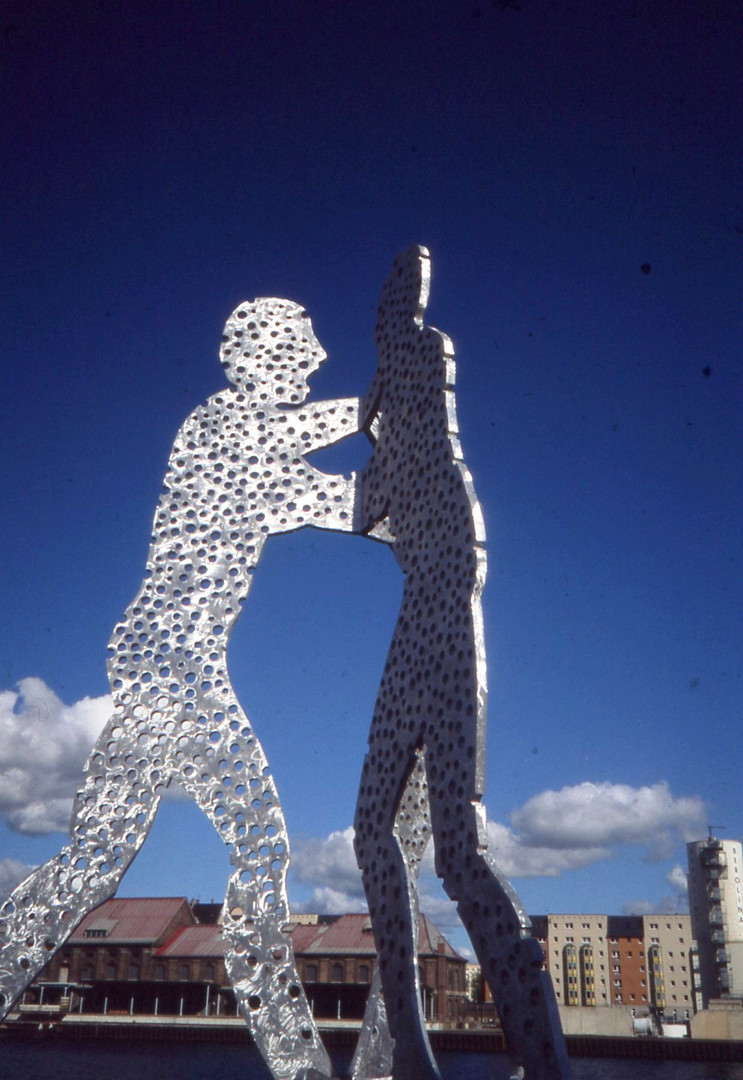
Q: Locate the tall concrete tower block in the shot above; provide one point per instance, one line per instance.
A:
(716, 907)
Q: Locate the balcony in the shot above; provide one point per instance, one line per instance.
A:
(717, 937)
(715, 917)
(714, 893)
(721, 956)
(713, 857)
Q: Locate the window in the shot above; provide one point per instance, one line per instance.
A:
(336, 973)
(133, 971)
(184, 972)
(209, 972)
(110, 972)
(159, 971)
(310, 973)
(363, 975)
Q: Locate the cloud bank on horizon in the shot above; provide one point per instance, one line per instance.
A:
(44, 745)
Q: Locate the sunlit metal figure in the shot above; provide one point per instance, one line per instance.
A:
(424, 770)
(237, 474)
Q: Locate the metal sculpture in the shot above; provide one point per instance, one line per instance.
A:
(424, 770)
(237, 474)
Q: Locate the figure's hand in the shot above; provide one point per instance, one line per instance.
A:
(382, 532)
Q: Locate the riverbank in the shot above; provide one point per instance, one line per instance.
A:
(343, 1034)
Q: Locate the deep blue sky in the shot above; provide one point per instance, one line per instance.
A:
(575, 170)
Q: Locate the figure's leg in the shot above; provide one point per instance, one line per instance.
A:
(374, 1052)
(221, 764)
(389, 869)
(498, 927)
(111, 817)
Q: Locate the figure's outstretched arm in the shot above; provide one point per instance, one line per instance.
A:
(328, 422)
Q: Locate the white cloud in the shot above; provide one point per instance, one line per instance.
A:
(677, 879)
(327, 865)
(11, 873)
(519, 859)
(678, 900)
(551, 834)
(601, 815)
(328, 901)
(43, 747)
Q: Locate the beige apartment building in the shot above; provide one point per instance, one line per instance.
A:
(716, 905)
(630, 960)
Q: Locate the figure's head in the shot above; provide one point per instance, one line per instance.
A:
(404, 296)
(269, 350)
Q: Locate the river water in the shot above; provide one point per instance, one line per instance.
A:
(133, 1060)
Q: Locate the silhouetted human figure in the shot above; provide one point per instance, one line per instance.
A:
(427, 741)
(237, 474)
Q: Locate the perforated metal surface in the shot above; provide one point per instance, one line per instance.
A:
(237, 474)
(424, 770)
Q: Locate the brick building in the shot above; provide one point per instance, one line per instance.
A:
(164, 956)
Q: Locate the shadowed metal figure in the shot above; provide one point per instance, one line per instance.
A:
(237, 474)
(424, 770)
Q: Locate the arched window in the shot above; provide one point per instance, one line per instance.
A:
(310, 973)
(336, 973)
(87, 973)
(184, 972)
(363, 975)
(110, 972)
(159, 971)
(209, 972)
(133, 970)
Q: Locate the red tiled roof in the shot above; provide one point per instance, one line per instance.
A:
(352, 933)
(431, 940)
(130, 919)
(302, 935)
(336, 934)
(194, 941)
